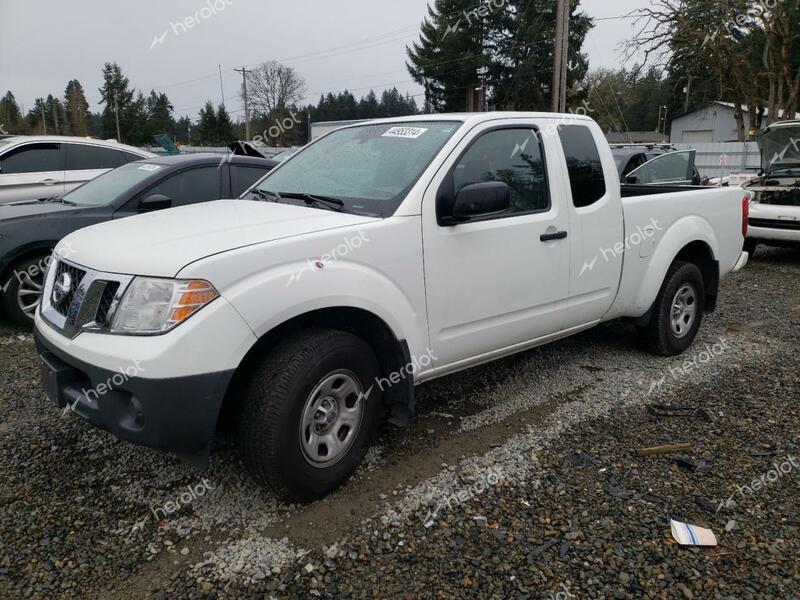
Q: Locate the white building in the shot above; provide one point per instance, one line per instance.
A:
(715, 123)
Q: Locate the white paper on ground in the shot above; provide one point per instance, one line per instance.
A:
(692, 535)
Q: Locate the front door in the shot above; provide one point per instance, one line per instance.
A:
(501, 280)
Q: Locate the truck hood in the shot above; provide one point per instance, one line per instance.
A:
(780, 147)
(160, 244)
(35, 208)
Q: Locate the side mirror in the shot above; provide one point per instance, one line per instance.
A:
(632, 179)
(480, 199)
(155, 202)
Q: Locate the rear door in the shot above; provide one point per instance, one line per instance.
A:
(85, 162)
(500, 281)
(243, 177)
(596, 222)
(31, 171)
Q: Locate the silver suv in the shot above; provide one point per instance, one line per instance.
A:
(46, 166)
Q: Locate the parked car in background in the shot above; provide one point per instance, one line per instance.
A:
(48, 166)
(287, 153)
(381, 256)
(29, 230)
(775, 208)
(655, 164)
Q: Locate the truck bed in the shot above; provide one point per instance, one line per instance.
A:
(630, 190)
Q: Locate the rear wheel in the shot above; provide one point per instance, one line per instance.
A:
(310, 412)
(23, 290)
(677, 312)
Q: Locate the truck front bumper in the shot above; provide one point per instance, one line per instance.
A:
(174, 414)
(774, 223)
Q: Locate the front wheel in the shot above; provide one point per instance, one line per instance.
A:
(677, 312)
(750, 246)
(23, 290)
(310, 413)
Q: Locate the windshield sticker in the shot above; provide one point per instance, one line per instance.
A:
(409, 133)
(150, 168)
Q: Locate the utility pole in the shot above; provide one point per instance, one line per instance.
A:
(244, 72)
(116, 115)
(561, 57)
(44, 121)
(663, 113)
(688, 91)
(221, 89)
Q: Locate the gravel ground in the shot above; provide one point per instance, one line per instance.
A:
(519, 479)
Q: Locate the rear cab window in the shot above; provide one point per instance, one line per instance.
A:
(587, 179)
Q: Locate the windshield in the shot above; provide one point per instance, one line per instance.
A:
(780, 149)
(369, 168)
(103, 190)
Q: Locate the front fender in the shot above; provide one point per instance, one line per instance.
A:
(680, 234)
(287, 291)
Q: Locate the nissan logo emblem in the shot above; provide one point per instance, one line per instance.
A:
(62, 288)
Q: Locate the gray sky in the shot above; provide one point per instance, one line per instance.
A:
(354, 44)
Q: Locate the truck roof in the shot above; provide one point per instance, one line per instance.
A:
(481, 117)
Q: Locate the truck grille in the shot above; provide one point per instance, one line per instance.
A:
(106, 300)
(75, 276)
(783, 198)
(77, 299)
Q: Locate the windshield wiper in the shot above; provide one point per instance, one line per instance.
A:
(327, 201)
(266, 195)
(59, 200)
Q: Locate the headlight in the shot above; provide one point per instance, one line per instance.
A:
(153, 306)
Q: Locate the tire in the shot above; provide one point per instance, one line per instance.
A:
(750, 246)
(683, 285)
(25, 278)
(278, 405)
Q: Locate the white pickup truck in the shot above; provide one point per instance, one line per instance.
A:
(382, 256)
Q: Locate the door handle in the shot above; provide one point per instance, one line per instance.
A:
(48, 182)
(549, 237)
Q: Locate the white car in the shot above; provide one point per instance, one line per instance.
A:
(381, 256)
(775, 209)
(47, 166)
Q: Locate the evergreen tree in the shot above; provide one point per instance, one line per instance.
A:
(54, 115)
(452, 51)
(520, 75)
(37, 118)
(159, 114)
(206, 131)
(115, 94)
(224, 131)
(182, 126)
(76, 109)
(94, 123)
(11, 119)
(505, 47)
(134, 123)
(368, 107)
